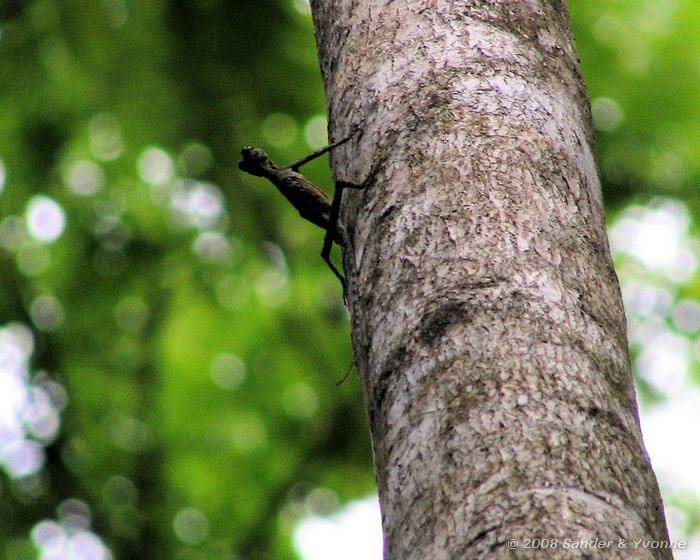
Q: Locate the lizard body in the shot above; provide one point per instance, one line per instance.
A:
(310, 201)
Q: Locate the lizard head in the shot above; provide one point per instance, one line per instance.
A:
(255, 161)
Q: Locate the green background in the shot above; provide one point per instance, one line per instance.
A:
(195, 335)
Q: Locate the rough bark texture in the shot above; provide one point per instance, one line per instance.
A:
(488, 327)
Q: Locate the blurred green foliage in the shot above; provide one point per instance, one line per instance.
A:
(181, 305)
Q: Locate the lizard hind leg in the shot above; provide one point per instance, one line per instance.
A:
(326, 256)
(335, 232)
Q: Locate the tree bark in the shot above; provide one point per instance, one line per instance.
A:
(487, 322)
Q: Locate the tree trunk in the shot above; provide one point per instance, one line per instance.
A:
(487, 322)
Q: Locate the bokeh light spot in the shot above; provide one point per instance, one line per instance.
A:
(300, 400)
(120, 491)
(228, 371)
(607, 113)
(279, 129)
(667, 446)
(47, 313)
(197, 203)
(47, 534)
(657, 237)
(272, 287)
(26, 409)
(60, 541)
(354, 532)
(606, 29)
(41, 411)
(667, 168)
(131, 314)
(114, 234)
(321, 501)
(664, 361)
(191, 525)
(316, 132)
(84, 178)
(3, 176)
(85, 545)
(23, 458)
(646, 300)
(17, 344)
(45, 219)
(248, 433)
(686, 315)
(195, 159)
(33, 259)
(156, 167)
(212, 246)
(74, 513)
(105, 133)
(302, 6)
(117, 12)
(128, 433)
(13, 233)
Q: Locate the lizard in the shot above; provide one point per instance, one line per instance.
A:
(311, 202)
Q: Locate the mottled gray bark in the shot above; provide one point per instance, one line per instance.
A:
(487, 322)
